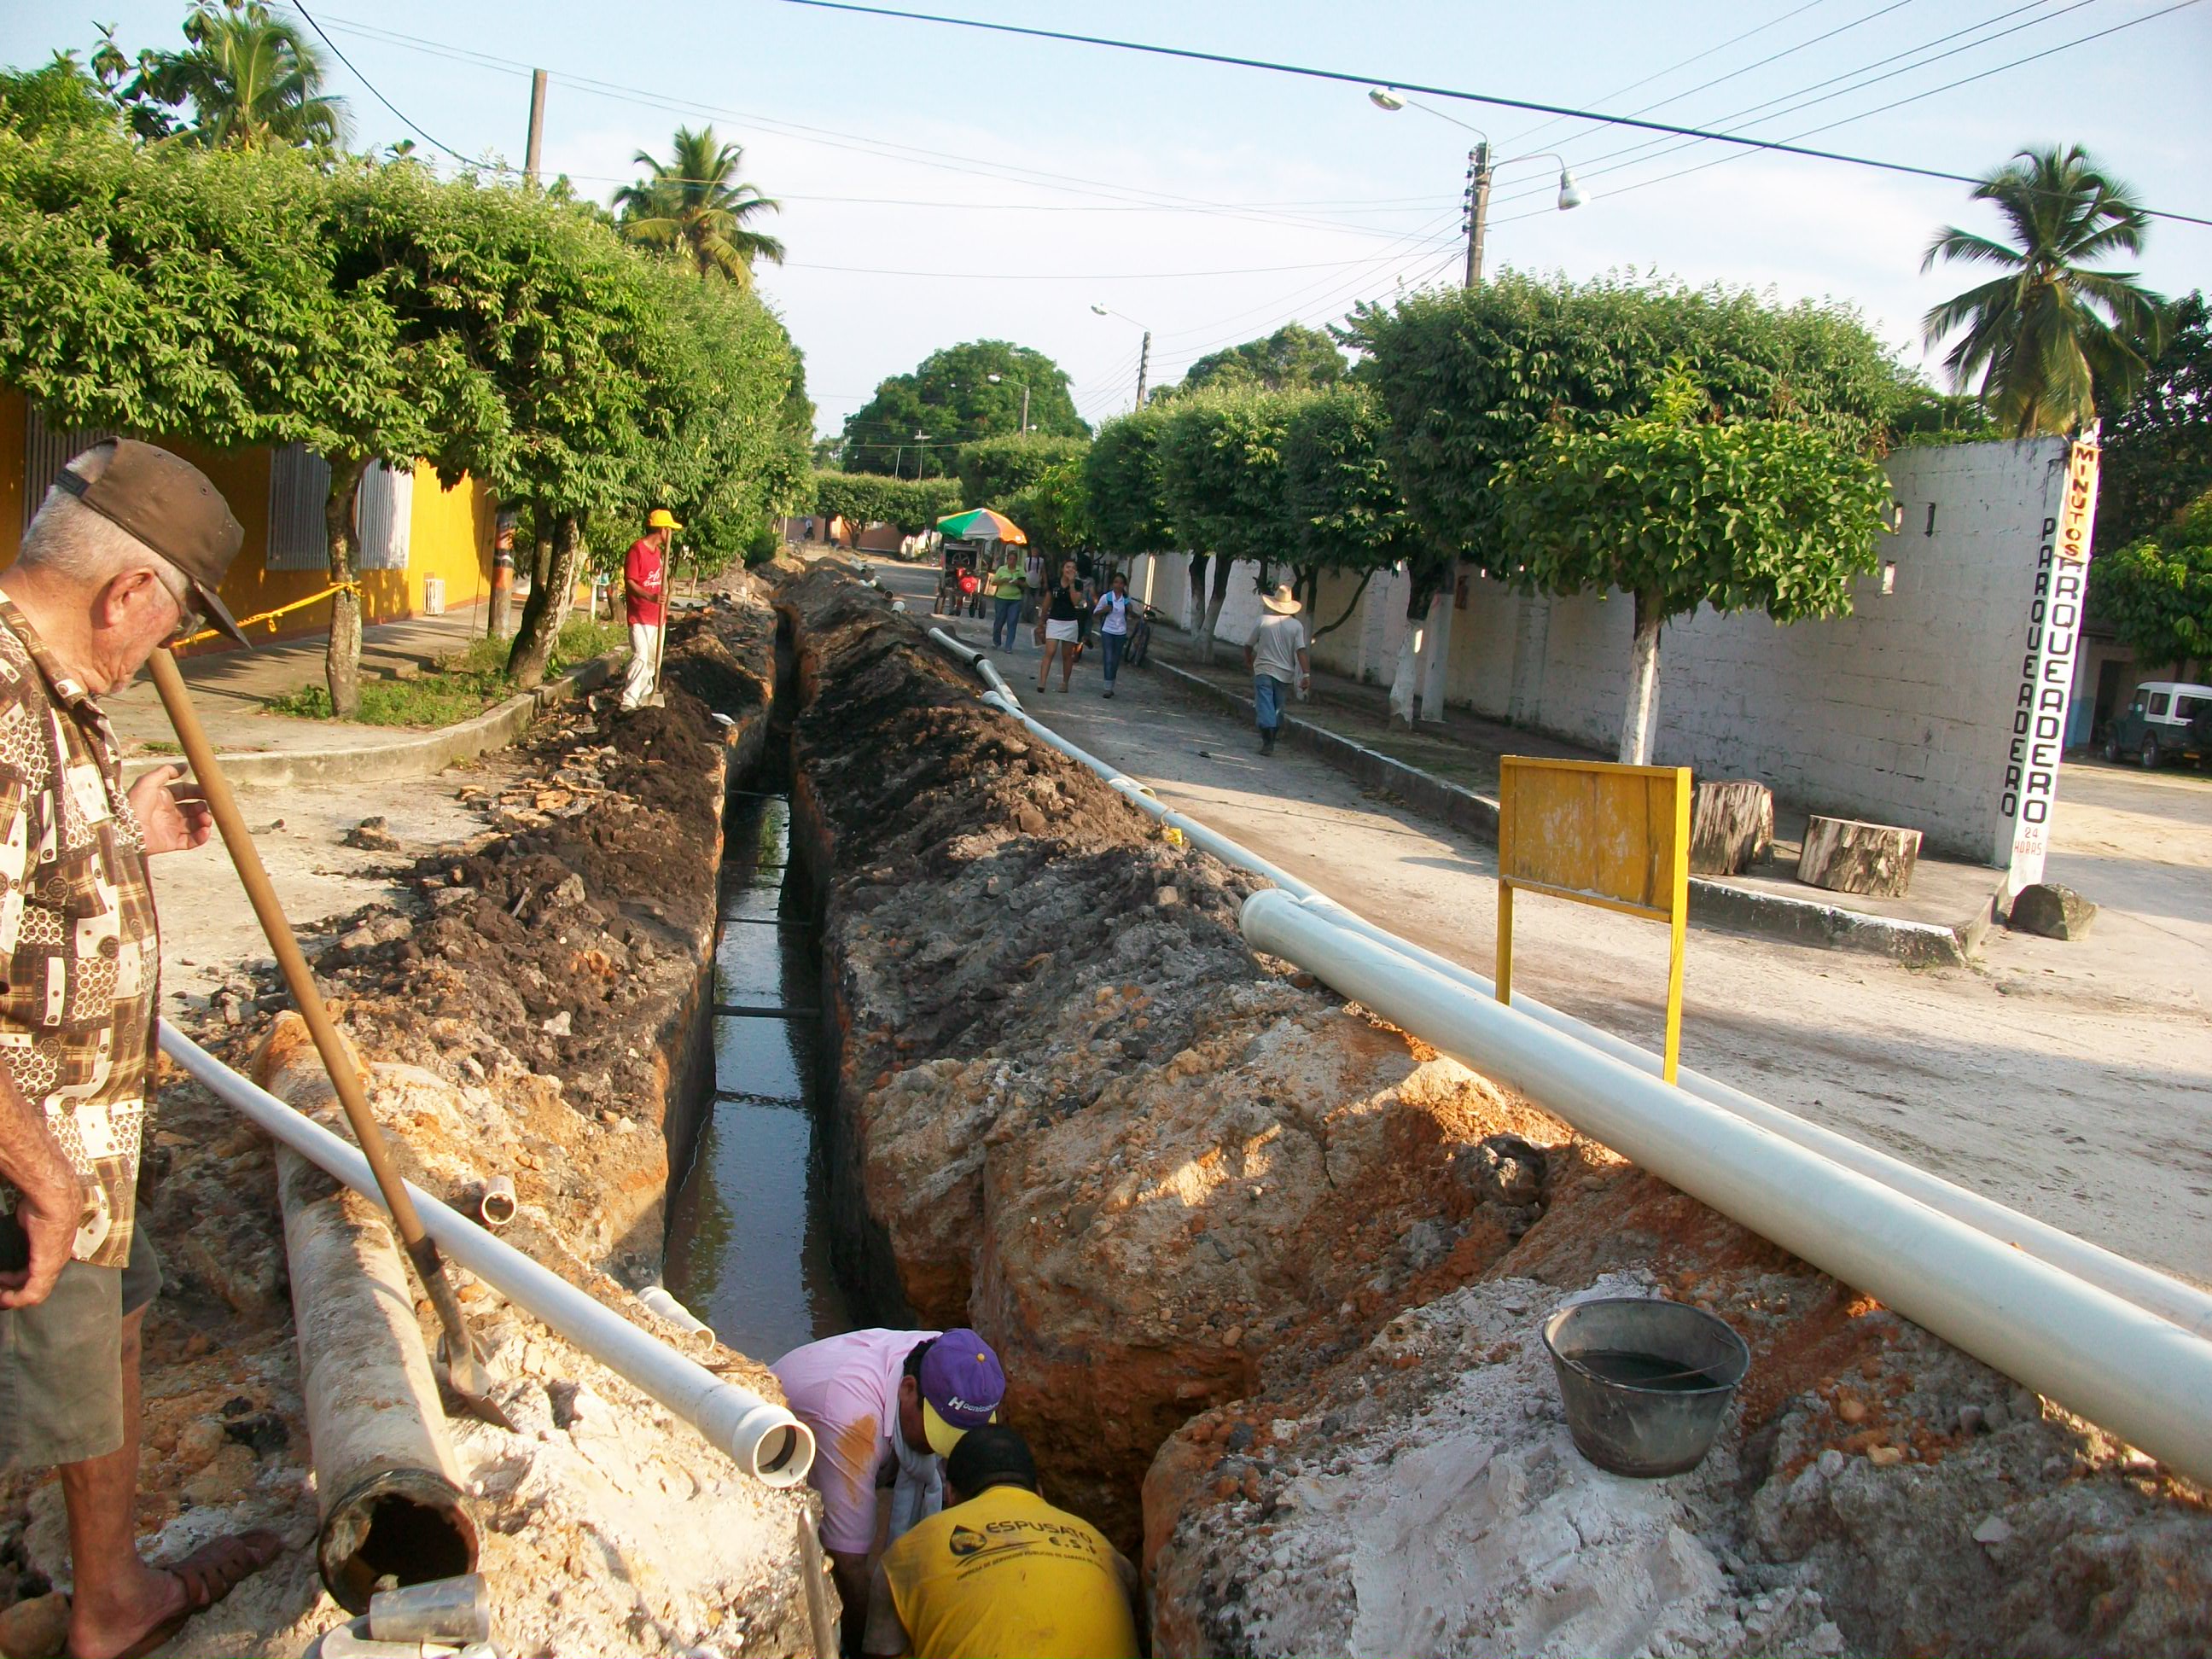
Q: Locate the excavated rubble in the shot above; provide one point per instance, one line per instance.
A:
(1266, 1273)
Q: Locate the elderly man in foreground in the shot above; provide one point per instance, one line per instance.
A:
(124, 554)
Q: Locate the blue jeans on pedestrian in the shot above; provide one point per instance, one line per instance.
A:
(1114, 644)
(1007, 616)
(1267, 701)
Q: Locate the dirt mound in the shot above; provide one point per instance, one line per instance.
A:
(1073, 1107)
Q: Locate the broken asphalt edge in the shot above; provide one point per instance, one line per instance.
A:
(1712, 903)
(410, 754)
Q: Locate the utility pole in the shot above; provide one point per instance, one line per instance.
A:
(1025, 406)
(535, 152)
(1478, 208)
(1143, 362)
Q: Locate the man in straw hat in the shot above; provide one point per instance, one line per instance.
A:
(126, 552)
(1275, 656)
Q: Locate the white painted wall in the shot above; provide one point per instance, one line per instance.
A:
(1900, 713)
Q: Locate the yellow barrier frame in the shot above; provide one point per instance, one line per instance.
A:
(1597, 833)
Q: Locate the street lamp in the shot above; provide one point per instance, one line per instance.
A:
(996, 379)
(1143, 352)
(1479, 170)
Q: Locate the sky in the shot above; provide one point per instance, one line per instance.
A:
(941, 185)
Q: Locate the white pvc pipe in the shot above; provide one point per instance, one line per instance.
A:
(657, 1298)
(764, 1439)
(2138, 1376)
(2147, 1287)
(984, 667)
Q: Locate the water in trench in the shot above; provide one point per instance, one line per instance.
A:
(749, 1232)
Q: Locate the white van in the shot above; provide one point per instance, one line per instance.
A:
(2167, 719)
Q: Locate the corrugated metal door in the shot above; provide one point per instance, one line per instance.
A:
(384, 514)
(45, 452)
(299, 484)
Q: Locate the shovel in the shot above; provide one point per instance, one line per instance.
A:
(463, 1366)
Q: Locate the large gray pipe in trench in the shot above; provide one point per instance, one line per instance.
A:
(387, 1488)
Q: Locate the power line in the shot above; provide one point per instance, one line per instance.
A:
(1735, 39)
(979, 166)
(373, 91)
(1310, 72)
(1882, 109)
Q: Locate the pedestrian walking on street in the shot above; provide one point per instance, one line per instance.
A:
(645, 578)
(1006, 586)
(1113, 613)
(125, 553)
(1061, 626)
(1033, 579)
(1275, 657)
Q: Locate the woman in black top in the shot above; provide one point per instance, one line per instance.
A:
(1060, 625)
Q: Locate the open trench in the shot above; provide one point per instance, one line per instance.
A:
(1250, 1256)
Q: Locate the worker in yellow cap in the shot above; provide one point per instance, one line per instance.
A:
(644, 580)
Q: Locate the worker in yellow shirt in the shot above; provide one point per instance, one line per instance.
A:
(1000, 1573)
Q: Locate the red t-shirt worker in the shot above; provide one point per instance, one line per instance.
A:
(644, 585)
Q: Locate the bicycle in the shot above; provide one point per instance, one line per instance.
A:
(1140, 635)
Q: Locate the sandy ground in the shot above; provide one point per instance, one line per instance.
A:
(2065, 1080)
(208, 931)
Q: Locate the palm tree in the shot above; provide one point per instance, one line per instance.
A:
(2049, 336)
(694, 206)
(253, 81)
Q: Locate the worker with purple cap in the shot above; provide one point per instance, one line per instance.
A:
(886, 1408)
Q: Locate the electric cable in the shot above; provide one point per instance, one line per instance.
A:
(1312, 72)
(371, 85)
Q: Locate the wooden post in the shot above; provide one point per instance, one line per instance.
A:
(1731, 825)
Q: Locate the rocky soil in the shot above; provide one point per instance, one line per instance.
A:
(1282, 1266)
(531, 1008)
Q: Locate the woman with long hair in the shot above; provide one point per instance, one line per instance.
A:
(1060, 625)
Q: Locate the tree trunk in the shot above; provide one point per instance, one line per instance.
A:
(1847, 856)
(1418, 598)
(1197, 575)
(1436, 668)
(342, 660)
(1222, 566)
(549, 606)
(541, 544)
(1643, 684)
(1358, 594)
(1731, 825)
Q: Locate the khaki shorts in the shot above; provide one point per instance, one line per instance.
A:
(61, 1363)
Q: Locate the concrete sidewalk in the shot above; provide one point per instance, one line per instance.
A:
(233, 690)
(1448, 769)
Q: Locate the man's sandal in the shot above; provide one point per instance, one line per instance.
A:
(208, 1574)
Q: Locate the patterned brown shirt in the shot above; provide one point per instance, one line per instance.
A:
(78, 939)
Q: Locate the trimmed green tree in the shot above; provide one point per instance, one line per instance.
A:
(2158, 449)
(1055, 513)
(910, 505)
(1124, 487)
(178, 292)
(1294, 358)
(1221, 460)
(953, 399)
(1677, 510)
(1346, 506)
(994, 470)
(2156, 592)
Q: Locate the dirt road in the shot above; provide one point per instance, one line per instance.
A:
(2073, 1092)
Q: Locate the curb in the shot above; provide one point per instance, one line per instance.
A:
(419, 755)
(1712, 903)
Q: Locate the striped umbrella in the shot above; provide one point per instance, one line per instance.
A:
(980, 524)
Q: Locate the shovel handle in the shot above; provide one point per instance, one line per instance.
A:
(300, 981)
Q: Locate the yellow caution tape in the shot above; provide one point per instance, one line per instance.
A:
(269, 616)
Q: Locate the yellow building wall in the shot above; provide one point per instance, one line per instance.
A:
(450, 535)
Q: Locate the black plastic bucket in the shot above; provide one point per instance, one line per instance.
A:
(1645, 1383)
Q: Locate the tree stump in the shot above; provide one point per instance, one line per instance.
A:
(1847, 856)
(1731, 825)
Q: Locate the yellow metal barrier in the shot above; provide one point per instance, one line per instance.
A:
(1599, 834)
